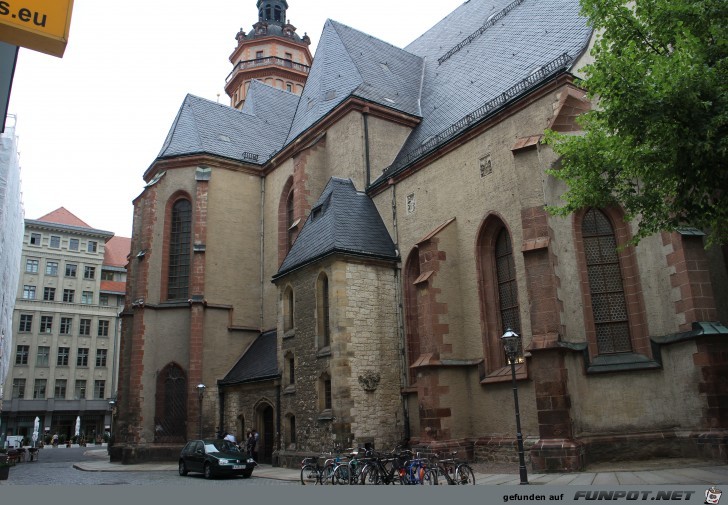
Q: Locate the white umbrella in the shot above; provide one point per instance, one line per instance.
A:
(36, 428)
(78, 425)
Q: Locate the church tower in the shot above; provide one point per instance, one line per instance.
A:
(271, 52)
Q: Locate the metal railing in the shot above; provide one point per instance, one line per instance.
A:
(268, 61)
(490, 22)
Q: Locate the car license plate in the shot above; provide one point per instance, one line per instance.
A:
(238, 467)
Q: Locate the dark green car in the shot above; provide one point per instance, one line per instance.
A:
(213, 458)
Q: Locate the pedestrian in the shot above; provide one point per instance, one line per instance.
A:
(256, 444)
(55, 440)
(251, 446)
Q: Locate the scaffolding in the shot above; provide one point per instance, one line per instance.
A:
(11, 243)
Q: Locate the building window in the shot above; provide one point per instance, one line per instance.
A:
(68, 295)
(66, 326)
(327, 393)
(291, 231)
(92, 246)
(80, 390)
(99, 389)
(41, 359)
(55, 242)
(82, 357)
(258, 55)
(101, 357)
(104, 300)
(21, 355)
(179, 250)
(26, 323)
(73, 244)
(49, 294)
(322, 311)
(39, 389)
(19, 388)
(31, 266)
(609, 306)
(288, 309)
(89, 272)
(505, 268)
(60, 392)
(291, 429)
(85, 327)
(62, 358)
(498, 295)
(70, 270)
(103, 328)
(87, 297)
(35, 238)
(51, 268)
(28, 292)
(289, 87)
(106, 275)
(46, 324)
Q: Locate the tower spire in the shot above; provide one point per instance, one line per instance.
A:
(272, 11)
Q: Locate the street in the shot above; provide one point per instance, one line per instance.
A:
(55, 467)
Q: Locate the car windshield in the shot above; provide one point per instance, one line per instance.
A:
(220, 446)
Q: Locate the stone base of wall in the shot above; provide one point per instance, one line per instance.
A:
(557, 455)
(502, 450)
(712, 445)
(640, 446)
(134, 454)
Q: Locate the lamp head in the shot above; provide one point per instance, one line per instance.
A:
(511, 342)
(201, 389)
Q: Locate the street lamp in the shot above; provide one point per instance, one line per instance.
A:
(200, 394)
(511, 344)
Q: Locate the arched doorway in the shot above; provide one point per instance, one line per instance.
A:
(267, 431)
(170, 417)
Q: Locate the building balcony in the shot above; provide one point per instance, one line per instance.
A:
(271, 61)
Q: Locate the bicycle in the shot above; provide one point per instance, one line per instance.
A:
(313, 473)
(386, 470)
(455, 472)
(349, 472)
(419, 471)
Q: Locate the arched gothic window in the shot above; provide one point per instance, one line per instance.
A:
(170, 416)
(179, 257)
(606, 288)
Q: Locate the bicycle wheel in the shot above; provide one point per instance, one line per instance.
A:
(341, 475)
(429, 478)
(309, 475)
(327, 474)
(464, 474)
(370, 475)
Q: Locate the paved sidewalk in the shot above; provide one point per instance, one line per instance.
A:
(696, 473)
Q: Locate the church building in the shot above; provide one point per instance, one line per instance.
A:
(333, 258)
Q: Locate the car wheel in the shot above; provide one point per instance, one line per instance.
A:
(247, 473)
(182, 468)
(208, 471)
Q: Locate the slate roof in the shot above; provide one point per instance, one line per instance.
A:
(258, 362)
(204, 126)
(531, 34)
(343, 220)
(351, 63)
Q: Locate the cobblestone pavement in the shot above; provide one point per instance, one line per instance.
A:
(55, 467)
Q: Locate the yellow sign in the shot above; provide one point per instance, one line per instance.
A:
(41, 25)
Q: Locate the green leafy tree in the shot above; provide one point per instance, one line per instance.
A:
(656, 142)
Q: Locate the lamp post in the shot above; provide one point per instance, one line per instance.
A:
(112, 406)
(200, 394)
(511, 342)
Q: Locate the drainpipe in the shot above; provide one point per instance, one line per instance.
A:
(262, 249)
(400, 314)
(368, 174)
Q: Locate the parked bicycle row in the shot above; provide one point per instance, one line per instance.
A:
(399, 466)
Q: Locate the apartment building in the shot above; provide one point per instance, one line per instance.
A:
(65, 328)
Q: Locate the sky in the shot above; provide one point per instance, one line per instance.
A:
(89, 124)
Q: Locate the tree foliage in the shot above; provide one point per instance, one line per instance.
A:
(656, 143)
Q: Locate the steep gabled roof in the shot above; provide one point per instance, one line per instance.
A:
(258, 362)
(483, 49)
(63, 216)
(351, 63)
(343, 221)
(206, 127)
